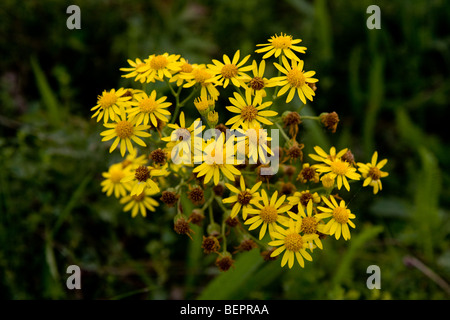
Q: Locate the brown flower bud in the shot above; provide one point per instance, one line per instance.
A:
(330, 120)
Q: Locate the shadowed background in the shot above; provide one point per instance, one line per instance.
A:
(390, 88)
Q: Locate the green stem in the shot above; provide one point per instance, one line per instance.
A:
(311, 117)
(282, 131)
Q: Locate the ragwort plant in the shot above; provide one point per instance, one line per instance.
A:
(232, 162)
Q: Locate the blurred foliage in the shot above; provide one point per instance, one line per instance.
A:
(389, 86)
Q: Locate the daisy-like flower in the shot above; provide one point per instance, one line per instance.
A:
(230, 70)
(303, 197)
(257, 84)
(268, 214)
(124, 131)
(112, 183)
(216, 160)
(310, 223)
(181, 140)
(243, 198)
(133, 70)
(321, 155)
(205, 78)
(185, 67)
(341, 170)
(292, 243)
(250, 113)
(281, 44)
(295, 80)
(110, 104)
(372, 174)
(140, 203)
(141, 179)
(308, 173)
(253, 143)
(157, 67)
(340, 218)
(132, 160)
(147, 108)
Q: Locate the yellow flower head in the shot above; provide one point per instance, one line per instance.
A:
(230, 70)
(250, 113)
(281, 44)
(292, 243)
(295, 80)
(133, 70)
(111, 104)
(185, 67)
(200, 75)
(268, 214)
(147, 108)
(257, 84)
(140, 203)
(340, 218)
(141, 179)
(112, 183)
(124, 131)
(243, 198)
(158, 67)
(372, 173)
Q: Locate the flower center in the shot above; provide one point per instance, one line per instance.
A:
(305, 197)
(296, 78)
(374, 173)
(244, 197)
(159, 62)
(249, 113)
(293, 242)
(339, 167)
(229, 71)
(282, 42)
(308, 173)
(309, 225)
(269, 214)
(183, 134)
(186, 67)
(142, 174)
(139, 198)
(200, 75)
(107, 100)
(340, 215)
(257, 83)
(117, 175)
(148, 105)
(124, 129)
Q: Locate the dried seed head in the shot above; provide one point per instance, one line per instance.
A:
(196, 195)
(349, 157)
(287, 189)
(224, 262)
(196, 216)
(219, 189)
(330, 121)
(181, 226)
(142, 173)
(232, 222)
(210, 244)
(158, 156)
(295, 152)
(246, 245)
(170, 198)
(266, 254)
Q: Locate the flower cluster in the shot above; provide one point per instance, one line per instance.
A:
(247, 187)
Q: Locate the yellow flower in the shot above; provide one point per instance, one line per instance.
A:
(157, 67)
(268, 214)
(257, 84)
(147, 108)
(185, 67)
(133, 161)
(341, 170)
(142, 179)
(180, 141)
(243, 198)
(303, 197)
(216, 160)
(281, 44)
(292, 243)
(112, 182)
(321, 155)
(205, 78)
(124, 131)
(340, 218)
(204, 105)
(309, 223)
(140, 203)
(295, 80)
(250, 113)
(133, 70)
(254, 144)
(111, 104)
(230, 70)
(372, 173)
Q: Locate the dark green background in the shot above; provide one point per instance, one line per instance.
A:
(389, 86)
